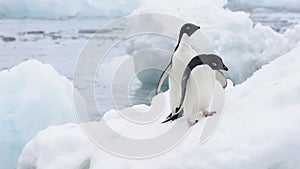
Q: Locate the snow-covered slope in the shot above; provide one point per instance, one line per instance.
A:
(33, 96)
(260, 129)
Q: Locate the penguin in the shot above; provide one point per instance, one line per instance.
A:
(182, 54)
(187, 30)
(197, 87)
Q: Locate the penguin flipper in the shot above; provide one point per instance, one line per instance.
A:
(162, 78)
(221, 78)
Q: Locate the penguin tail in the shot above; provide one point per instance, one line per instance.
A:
(170, 115)
(176, 111)
(173, 117)
(167, 120)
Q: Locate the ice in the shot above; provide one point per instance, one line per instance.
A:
(288, 5)
(259, 130)
(245, 47)
(66, 8)
(33, 96)
(279, 15)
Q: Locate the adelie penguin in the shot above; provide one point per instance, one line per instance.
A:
(197, 87)
(181, 56)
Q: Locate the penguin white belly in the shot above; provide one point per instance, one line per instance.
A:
(199, 91)
(179, 62)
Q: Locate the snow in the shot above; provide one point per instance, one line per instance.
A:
(64, 9)
(259, 130)
(33, 96)
(244, 47)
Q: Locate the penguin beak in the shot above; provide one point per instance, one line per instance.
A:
(225, 67)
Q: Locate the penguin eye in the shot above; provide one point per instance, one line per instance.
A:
(187, 27)
(214, 64)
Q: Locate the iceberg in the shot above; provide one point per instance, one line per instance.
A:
(259, 130)
(33, 97)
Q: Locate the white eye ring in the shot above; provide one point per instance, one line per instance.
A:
(187, 27)
(214, 64)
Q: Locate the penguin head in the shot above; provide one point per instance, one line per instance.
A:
(214, 61)
(188, 29)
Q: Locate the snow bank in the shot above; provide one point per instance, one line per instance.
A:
(244, 47)
(259, 130)
(65, 8)
(33, 96)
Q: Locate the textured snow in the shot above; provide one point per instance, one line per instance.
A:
(33, 96)
(244, 47)
(66, 8)
(259, 130)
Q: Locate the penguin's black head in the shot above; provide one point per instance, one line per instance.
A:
(214, 61)
(189, 29)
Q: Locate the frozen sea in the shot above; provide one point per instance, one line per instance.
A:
(59, 42)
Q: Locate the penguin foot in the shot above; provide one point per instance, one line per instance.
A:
(207, 113)
(191, 122)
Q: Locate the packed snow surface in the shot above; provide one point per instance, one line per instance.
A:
(259, 130)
